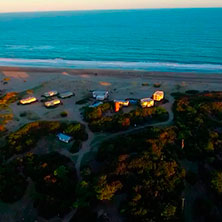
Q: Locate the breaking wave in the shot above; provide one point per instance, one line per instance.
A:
(149, 66)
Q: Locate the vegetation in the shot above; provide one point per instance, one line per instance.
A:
(77, 145)
(55, 182)
(13, 184)
(99, 121)
(142, 174)
(82, 101)
(157, 85)
(64, 114)
(54, 179)
(8, 98)
(26, 138)
(198, 119)
(142, 167)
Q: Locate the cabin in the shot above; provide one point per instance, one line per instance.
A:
(52, 103)
(65, 95)
(50, 93)
(96, 104)
(64, 138)
(147, 102)
(158, 95)
(100, 95)
(120, 103)
(28, 100)
(117, 107)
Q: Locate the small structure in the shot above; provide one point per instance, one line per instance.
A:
(100, 95)
(117, 107)
(96, 104)
(52, 103)
(132, 101)
(147, 102)
(158, 95)
(67, 94)
(64, 138)
(28, 100)
(50, 93)
(120, 103)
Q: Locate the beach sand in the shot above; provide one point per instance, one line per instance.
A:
(121, 84)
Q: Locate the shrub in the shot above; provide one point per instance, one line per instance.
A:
(23, 114)
(192, 92)
(76, 146)
(12, 185)
(156, 85)
(82, 101)
(55, 181)
(64, 114)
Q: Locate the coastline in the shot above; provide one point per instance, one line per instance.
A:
(157, 75)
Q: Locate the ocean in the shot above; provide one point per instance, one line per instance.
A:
(154, 40)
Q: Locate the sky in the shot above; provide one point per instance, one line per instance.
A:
(60, 5)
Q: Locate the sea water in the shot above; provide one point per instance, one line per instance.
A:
(154, 40)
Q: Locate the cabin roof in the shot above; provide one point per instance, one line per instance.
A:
(147, 100)
(63, 137)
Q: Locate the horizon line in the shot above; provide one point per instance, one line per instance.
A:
(121, 9)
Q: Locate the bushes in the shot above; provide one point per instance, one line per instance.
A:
(8, 98)
(12, 184)
(55, 181)
(96, 113)
(82, 101)
(77, 145)
(76, 130)
(99, 122)
(197, 119)
(157, 85)
(26, 137)
(216, 182)
(64, 114)
(140, 168)
(124, 121)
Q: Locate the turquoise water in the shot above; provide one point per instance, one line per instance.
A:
(158, 40)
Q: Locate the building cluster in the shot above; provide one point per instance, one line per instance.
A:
(149, 102)
(118, 104)
(99, 96)
(48, 95)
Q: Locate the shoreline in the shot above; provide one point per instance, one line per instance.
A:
(154, 75)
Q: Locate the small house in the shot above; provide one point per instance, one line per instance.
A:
(65, 95)
(117, 107)
(52, 103)
(120, 103)
(147, 102)
(100, 95)
(158, 95)
(64, 138)
(50, 93)
(28, 100)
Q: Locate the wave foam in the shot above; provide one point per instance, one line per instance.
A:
(151, 66)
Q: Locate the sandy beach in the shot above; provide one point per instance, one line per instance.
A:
(121, 84)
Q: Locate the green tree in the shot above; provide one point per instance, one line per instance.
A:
(106, 191)
(61, 172)
(168, 212)
(216, 182)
